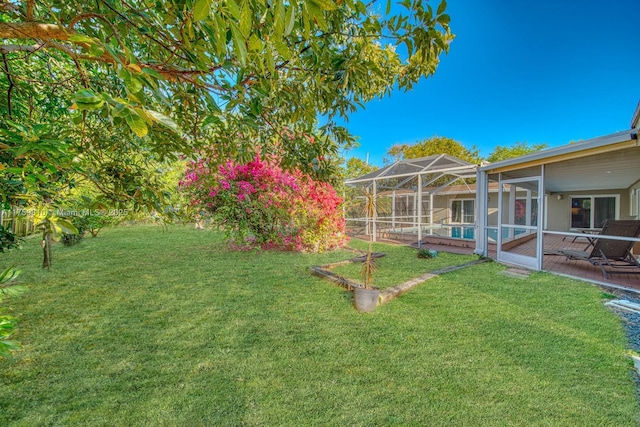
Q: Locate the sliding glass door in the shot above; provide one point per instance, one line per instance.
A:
(592, 211)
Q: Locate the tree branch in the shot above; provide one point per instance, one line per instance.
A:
(80, 17)
(33, 30)
(51, 34)
(8, 7)
(11, 85)
(127, 20)
(30, 4)
(11, 48)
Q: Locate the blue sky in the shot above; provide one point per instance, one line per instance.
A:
(534, 71)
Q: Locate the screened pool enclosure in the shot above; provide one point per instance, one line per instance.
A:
(413, 198)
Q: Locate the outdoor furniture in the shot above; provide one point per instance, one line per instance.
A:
(590, 234)
(610, 254)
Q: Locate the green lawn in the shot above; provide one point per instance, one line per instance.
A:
(399, 264)
(145, 327)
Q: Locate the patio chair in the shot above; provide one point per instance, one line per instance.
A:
(610, 254)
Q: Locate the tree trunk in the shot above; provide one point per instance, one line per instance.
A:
(46, 250)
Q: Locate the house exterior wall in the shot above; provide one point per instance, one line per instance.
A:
(441, 209)
(558, 213)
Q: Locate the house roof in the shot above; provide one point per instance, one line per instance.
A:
(590, 146)
(608, 162)
(635, 120)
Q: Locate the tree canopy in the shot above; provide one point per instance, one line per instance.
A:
(433, 146)
(355, 168)
(443, 145)
(514, 150)
(108, 90)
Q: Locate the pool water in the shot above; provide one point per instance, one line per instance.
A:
(463, 232)
(469, 233)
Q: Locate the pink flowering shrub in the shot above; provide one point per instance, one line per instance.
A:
(260, 204)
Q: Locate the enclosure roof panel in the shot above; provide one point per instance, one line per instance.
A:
(441, 163)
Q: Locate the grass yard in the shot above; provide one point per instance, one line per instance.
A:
(145, 327)
(399, 264)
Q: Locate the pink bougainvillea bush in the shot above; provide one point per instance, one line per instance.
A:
(259, 204)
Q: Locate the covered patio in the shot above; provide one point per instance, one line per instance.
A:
(553, 200)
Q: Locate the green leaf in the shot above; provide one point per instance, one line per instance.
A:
(112, 52)
(136, 123)
(119, 110)
(201, 9)
(234, 9)
(271, 64)
(306, 25)
(324, 4)
(81, 38)
(96, 50)
(317, 13)
(444, 19)
(65, 226)
(133, 84)
(279, 20)
(290, 19)
(164, 120)
(211, 120)
(86, 96)
(388, 10)
(241, 48)
(246, 20)
(283, 50)
(442, 7)
(255, 44)
(85, 106)
(153, 73)
(9, 274)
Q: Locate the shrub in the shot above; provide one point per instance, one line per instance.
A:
(8, 240)
(260, 204)
(7, 322)
(427, 253)
(71, 239)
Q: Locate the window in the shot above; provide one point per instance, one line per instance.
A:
(463, 211)
(593, 211)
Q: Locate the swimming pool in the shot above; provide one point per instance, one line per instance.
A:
(462, 232)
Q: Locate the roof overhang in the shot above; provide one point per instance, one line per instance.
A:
(635, 120)
(595, 146)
